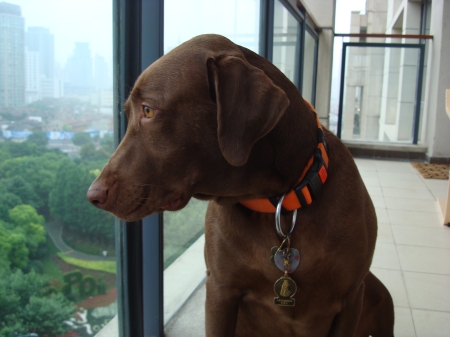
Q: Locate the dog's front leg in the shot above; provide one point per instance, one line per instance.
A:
(345, 323)
(222, 305)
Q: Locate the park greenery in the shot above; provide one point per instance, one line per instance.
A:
(39, 185)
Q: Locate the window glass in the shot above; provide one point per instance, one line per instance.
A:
(57, 253)
(380, 91)
(238, 20)
(286, 42)
(308, 67)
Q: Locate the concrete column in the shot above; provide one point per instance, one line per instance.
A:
(438, 80)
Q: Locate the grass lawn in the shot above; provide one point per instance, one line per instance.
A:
(105, 266)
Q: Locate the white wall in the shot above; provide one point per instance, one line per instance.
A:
(438, 80)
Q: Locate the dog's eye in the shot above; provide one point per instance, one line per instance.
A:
(148, 112)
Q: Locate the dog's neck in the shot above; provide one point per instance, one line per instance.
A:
(307, 187)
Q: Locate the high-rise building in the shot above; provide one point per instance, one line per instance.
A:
(79, 71)
(12, 56)
(102, 78)
(32, 76)
(39, 39)
(40, 46)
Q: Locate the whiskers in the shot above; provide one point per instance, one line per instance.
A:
(146, 185)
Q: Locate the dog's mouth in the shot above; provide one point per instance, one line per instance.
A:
(172, 205)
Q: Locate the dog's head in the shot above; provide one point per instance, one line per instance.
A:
(193, 118)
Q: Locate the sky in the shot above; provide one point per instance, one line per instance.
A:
(90, 21)
(343, 10)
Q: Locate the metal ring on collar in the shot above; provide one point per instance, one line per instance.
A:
(278, 219)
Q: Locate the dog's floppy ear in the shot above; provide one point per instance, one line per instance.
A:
(249, 105)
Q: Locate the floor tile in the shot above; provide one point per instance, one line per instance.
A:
(420, 236)
(428, 291)
(385, 256)
(438, 187)
(414, 218)
(372, 181)
(411, 204)
(393, 281)
(387, 165)
(389, 175)
(375, 191)
(365, 164)
(407, 193)
(404, 326)
(385, 233)
(382, 215)
(378, 202)
(403, 183)
(424, 259)
(431, 323)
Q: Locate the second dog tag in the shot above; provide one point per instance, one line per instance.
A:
(294, 260)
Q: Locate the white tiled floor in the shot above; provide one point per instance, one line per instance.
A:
(412, 257)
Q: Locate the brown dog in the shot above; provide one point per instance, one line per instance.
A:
(215, 121)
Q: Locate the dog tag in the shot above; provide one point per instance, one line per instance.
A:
(285, 288)
(294, 259)
(272, 257)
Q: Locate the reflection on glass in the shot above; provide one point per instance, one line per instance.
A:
(237, 20)
(57, 256)
(308, 68)
(379, 94)
(286, 42)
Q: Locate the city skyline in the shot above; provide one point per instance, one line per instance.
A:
(30, 71)
(70, 22)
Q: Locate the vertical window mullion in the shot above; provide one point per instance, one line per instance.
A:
(266, 29)
(138, 34)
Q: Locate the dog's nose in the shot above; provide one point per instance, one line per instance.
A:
(97, 196)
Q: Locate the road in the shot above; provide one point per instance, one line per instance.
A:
(55, 232)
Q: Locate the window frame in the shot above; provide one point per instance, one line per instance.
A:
(266, 40)
(421, 49)
(138, 42)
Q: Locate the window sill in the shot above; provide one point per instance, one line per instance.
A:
(181, 279)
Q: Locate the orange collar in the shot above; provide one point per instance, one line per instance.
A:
(308, 186)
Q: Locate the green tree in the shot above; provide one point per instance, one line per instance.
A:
(38, 171)
(22, 189)
(7, 201)
(81, 138)
(25, 306)
(39, 138)
(27, 221)
(13, 247)
(107, 143)
(45, 315)
(68, 204)
(4, 155)
(17, 150)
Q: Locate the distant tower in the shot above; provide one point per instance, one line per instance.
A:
(102, 78)
(79, 70)
(39, 39)
(33, 77)
(12, 56)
